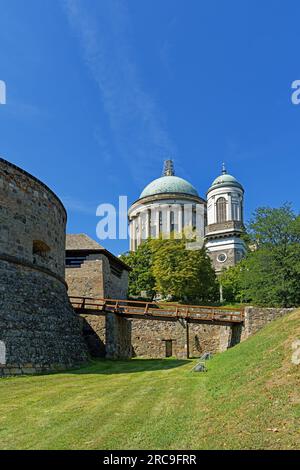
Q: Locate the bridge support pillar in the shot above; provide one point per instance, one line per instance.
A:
(118, 337)
(182, 343)
(236, 334)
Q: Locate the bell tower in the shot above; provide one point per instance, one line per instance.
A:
(225, 224)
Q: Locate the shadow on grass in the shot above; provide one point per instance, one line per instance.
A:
(106, 366)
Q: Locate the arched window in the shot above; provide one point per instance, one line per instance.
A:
(221, 210)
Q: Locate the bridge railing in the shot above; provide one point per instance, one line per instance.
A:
(155, 309)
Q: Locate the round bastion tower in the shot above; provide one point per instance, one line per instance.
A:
(225, 224)
(38, 328)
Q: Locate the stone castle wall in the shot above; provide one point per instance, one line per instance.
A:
(87, 280)
(38, 328)
(94, 278)
(257, 317)
(149, 338)
(31, 213)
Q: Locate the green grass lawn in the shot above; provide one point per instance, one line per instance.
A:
(248, 399)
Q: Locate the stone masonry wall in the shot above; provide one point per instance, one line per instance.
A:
(257, 317)
(94, 333)
(87, 280)
(148, 335)
(95, 279)
(118, 337)
(38, 328)
(230, 261)
(29, 211)
(148, 338)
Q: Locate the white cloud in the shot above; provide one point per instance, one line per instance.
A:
(136, 122)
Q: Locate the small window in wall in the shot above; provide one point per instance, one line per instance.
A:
(221, 210)
(222, 257)
(74, 261)
(40, 248)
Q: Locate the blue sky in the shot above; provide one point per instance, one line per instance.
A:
(99, 93)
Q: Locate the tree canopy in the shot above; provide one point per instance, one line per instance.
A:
(141, 278)
(270, 274)
(168, 268)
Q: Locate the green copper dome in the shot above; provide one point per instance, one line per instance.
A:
(169, 184)
(225, 180)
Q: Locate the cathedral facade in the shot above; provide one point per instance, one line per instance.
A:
(171, 205)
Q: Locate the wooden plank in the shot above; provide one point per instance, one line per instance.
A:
(152, 309)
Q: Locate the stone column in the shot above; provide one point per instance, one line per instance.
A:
(140, 236)
(147, 222)
(200, 220)
(188, 217)
(180, 216)
(182, 339)
(133, 240)
(164, 215)
(130, 235)
(168, 222)
(229, 207)
(155, 213)
(214, 210)
(225, 337)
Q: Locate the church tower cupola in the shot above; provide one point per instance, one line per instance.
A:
(225, 224)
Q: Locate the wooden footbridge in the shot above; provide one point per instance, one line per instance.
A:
(157, 311)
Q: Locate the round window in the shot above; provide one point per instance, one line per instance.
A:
(222, 257)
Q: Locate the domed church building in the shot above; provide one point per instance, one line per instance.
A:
(168, 204)
(171, 204)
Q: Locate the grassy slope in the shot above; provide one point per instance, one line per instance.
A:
(250, 398)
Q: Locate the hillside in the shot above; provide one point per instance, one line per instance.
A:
(248, 399)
